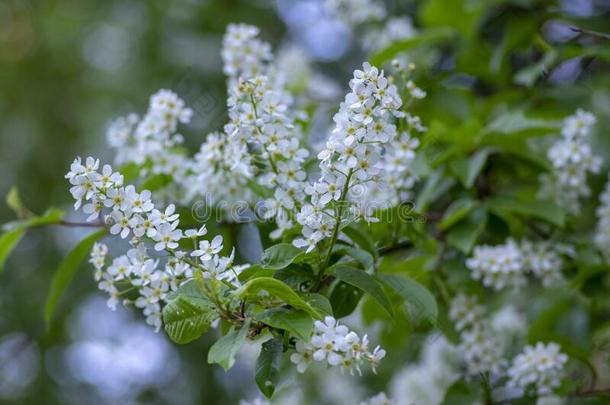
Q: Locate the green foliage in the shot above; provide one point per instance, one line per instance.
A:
(270, 287)
(419, 300)
(8, 242)
(267, 369)
(224, 350)
(280, 256)
(188, 314)
(298, 323)
(362, 280)
(67, 270)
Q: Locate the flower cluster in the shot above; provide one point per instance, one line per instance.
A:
(154, 136)
(602, 235)
(507, 265)
(572, 160)
(352, 154)
(243, 54)
(132, 212)
(338, 346)
(538, 367)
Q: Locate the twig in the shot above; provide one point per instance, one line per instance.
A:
(590, 32)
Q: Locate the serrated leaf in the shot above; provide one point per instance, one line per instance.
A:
(67, 270)
(188, 314)
(419, 299)
(298, 323)
(8, 242)
(362, 280)
(267, 370)
(224, 350)
(277, 289)
(280, 256)
(456, 211)
(545, 210)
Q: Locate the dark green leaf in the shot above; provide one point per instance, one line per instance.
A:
(362, 280)
(466, 232)
(545, 210)
(361, 256)
(345, 298)
(319, 302)
(188, 314)
(254, 271)
(516, 122)
(267, 370)
(277, 289)
(298, 323)
(360, 237)
(224, 350)
(67, 270)
(456, 211)
(419, 299)
(280, 256)
(467, 169)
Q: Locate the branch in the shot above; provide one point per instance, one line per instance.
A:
(597, 34)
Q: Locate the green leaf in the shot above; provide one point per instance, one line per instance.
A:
(267, 370)
(362, 280)
(461, 392)
(156, 182)
(361, 256)
(298, 323)
(467, 169)
(516, 122)
(465, 234)
(545, 210)
(67, 270)
(426, 37)
(419, 299)
(254, 271)
(280, 256)
(530, 74)
(360, 237)
(345, 298)
(8, 242)
(51, 216)
(188, 314)
(277, 289)
(456, 211)
(13, 200)
(224, 350)
(319, 302)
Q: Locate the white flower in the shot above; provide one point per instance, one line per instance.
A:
(208, 249)
(602, 232)
(167, 236)
(465, 312)
(538, 367)
(303, 356)
(122, 223)
(498, 266)
(169, 215)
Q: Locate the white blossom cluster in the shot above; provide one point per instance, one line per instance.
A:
(336, 345)
(538, 367)
(352, 154)
(572, 160)
(602, 234)
(243, 54)
(154, 136)
(132, 212)
(507, 265)
(483, 342)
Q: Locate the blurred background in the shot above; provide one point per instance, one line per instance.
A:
(67, 67)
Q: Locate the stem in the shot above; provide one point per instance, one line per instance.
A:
(333, 238)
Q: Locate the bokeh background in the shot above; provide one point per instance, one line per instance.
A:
(69, 66)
